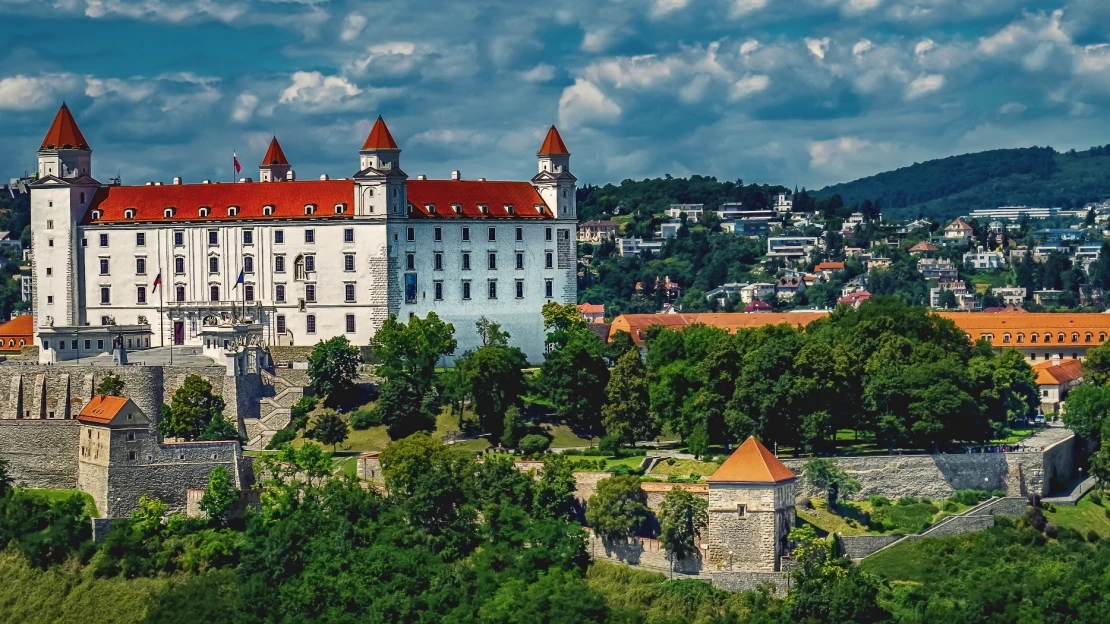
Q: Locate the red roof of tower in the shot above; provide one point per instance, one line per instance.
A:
(274, 155)
(64, 133)
(379, 137)
(752, 463)
(553, 143)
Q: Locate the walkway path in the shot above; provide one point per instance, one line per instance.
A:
(1078, 488)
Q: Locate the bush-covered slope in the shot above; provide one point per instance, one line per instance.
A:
(1034, 176)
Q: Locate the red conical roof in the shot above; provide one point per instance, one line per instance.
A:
(64, 133)
(274, 155)
(379, 138)
(553, 143)
(752, 463)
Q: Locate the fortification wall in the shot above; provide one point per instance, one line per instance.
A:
(36, 392)
(641, 551)
(166, 471)
(41, 453)
(936, 477)
(751, 581)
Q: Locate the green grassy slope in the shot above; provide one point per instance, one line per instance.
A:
(952, 186)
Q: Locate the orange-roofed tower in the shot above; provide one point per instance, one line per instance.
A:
(380, 181)
(751, 509)
(380, 151)
(64, 153)
(275, 167)
(554, 181)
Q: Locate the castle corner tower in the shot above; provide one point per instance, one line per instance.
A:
(555, 183)
(275, 166)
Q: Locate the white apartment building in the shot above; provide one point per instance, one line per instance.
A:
(1011, 296)
(791, 247)
(693, 212)
(287, 262)
(784, 203)
(984, 260)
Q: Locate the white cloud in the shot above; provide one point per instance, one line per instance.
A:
(1093, 59)
(853, 7)
(822, 154)
(584, 102)
(744, 7)
(21, 92)
(861, 47)
(1021, 36)
(749, 86)
(749, 46)
(244, 107)
(352, 27)
(923, 85)
(1012, 108)
(924, 47)
(315, 92)
(818, 47)
(597, 40)
(661, 8)
(540, 73)
(447, 136)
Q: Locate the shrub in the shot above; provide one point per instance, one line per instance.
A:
(283, 436)
(1000, 493)
(1048, 507)
(610, 445)
(951, 507)
(878, 500)
(621, 470)
(1093, 536)
(904, 517)
(907, 500)
(534, 444)
(1050, 530)
(1096, 498)
(363, 418)
(969, 497)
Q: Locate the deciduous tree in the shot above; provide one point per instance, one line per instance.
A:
(219, 495)
(627, 411)
(332, 366)
(619, 508)
(192, 409)
(681, 517)
(329, 428)
(111, 385)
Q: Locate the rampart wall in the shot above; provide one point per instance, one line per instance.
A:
(41, 453)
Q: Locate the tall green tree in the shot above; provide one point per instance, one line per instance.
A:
(492, 377)
(219, 495)
(110, 385)
(826, 475)
(330, 428)
(333, 366)
(627, 414)
(682, 516)
(1096, 366)
(412, 350)
(403, 410)
(193, 410)
(573, 377)
(619, 508)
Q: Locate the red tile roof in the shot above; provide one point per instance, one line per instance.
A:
(287, 198)
(855, 298)
(752, 463)
(591, 308)
(758, 305)
(21, 328)
(1051, 373)
(829, 266)
(274, 155)
(64, 133)
(553, 143)
(379, 137)
(923, 246)
(101, 409)
(471, 195)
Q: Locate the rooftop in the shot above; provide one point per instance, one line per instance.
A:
(1053, 373)
(64, 133)
(101, 409)
(752, 463)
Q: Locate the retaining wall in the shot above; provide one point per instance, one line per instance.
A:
(859, 546)
(41, 453)
(751, 581)
(640, 551)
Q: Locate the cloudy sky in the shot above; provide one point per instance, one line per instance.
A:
(796, 92)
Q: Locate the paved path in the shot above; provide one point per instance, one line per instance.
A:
(1078, 488)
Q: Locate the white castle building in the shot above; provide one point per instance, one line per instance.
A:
(288, 262)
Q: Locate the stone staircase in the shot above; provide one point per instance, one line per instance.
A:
(275, 408)
(977, 518)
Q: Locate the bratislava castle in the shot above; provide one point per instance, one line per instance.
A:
(283, 261)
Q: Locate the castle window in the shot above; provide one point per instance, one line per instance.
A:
(549, 288)
(1005, 338)
(232, 211)
(466, 261)
(410, 233)
(279, 293)
(438, 265)
(519, 260)
(140, 239)
(267, 211)
(203, 212)
(279, 237)
(1033, 338)
(349, 293)
(214, 293)
(349, 235)
(466, 290)
(180, 293)
(213, 237)
(493, 289)
(310, 293)
(437, 234)
(130, 435)
(130, 454)
(456, 208)
(179, 265)
(104, 266)
(103, 240)
(466, 234)
(129, 213)
(348, 262)
(310, 264)
(1102, 336)
(520, 289)
(549, 260)
(492, 234)
(1048, 337)
(248, 264)
(547, 233)
(483, 208)
(310, 323)
(310, 209)
(169, 212)
(178, 238)
(410, 262)
(509, 208)
(741, 510)
(439, 291)
(213, 264)
(1075, 337)
(96, 215)
(1060, 337)
(248, 237)
(431, 208)
(310, 236)
(350, 323)
(248, 292)
(140, 295)
(539, 208)
(279, 264)
(1021, 338)
(140, 266)
(340, 208)
(281, 323)
(520, 233)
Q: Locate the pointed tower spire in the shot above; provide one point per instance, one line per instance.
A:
(379, 137)
(275, 167)
(553, 144)
(64, 133)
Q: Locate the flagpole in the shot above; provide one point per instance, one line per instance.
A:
(161, 319)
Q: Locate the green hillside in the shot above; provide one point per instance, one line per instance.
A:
(948, 187)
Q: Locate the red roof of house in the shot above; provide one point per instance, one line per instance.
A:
(101, 409)
(553, 143)
(829, 266)
(923, 246)
(591, 308)
(958, 224)
(274, 155)
(758, 305)
(64, 133)
(854, 298)
(287, 198)
(1050, 373)
(498, 197)
(379, 137)
(19, 329)
(752, 463)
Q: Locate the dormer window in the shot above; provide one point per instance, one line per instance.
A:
(539, 208)
(509, 208)
(483, 208)
(232, 211)
(96, 215)
(431, 208)
(340, 208)
(169, 213)
(129, 213)
(457, 208)
(310, 209)
(267, 210)
(203, 212)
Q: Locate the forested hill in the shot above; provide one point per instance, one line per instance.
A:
(654, 195)
(948, 187)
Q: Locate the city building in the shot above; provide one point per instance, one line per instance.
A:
(598, 231)
(759, 290)
(958, 232)
(1013, 213)
(633, 246)
(1055, 378)
(965, 299)
(877, 264)
(791, 247)
(758, 305)
(592, 312)
(1011, 296)
(983, 260)
(937, 268)
(854, 299)
(288, 262)
(784, 203)
(789, 285)
(693, 212)
(752, 228)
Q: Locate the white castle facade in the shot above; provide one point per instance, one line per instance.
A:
(288, 262)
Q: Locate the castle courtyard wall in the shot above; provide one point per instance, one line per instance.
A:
(165, 471)
(41, 453)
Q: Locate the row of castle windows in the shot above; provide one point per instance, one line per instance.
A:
(248, 237)
(491, 234)
(1047, 337)
(206, 211)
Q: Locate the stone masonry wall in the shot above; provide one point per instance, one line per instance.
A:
(751, 581)
(640, 551)
(165, 471)
(859, 546)
(41, 453)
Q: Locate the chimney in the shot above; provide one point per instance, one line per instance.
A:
(290, 176)
(422, 177)
(206, 181)
(149, 183)
(323, 176)
(481, 179)
(244, 179)
(456, 175)
(177, 180)
(157, 184)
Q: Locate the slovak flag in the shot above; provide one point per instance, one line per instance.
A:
(156, 284)
(235, 161)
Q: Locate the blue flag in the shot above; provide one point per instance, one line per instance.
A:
(240, 280)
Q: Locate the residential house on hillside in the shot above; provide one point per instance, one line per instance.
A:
(668, 230)
(984, 260)
(958, 232)
(758, 305)
(632, 246)
(788, 286)
(829, 269)
(923, 248)
(965, 300)
(1047, 297)
(693, 211)
(671, 290)
(784, 203)
(1011, 296)
(597, 231)
(752, 228)
(854, 299)
(1055, 378)
(592, 312)
(878, 264)
(791, 247)
(724, 291)
(758, 290)
(938, 268)
(913, 226)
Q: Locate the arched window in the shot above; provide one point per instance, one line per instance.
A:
(1060, 337)
(1102, 336)
(267, 211)
(298, 269)
(1021, 337)
(1032, 338)
(22, 342)
(1088, 337)
(310, 209)
(169, 212)
(340, 208)
(11, 342)
(203, 212)
(1075, 337)
(96, 215)
(232, 211)
(1047, 337)
(129, 213)
(1005, 338)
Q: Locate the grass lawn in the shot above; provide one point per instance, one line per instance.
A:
(563, 437)
(345, 466)
(685, 468)
(850, 519)
(1083, 517)
(610, 462)
(57, 495)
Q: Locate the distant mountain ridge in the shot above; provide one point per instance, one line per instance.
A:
(948, 187)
